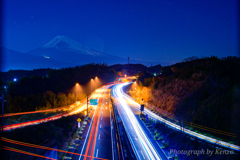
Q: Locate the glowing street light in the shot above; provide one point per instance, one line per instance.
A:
(91, 85)
(96, 82)
(135, 90)
(125, 75)
(135, 93)
(76, 91)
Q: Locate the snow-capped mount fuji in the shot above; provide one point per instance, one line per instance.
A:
(64, 43)
(67, 50)
(60, 52)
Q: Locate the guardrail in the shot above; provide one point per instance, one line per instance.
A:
(119, 154)
(121, 127)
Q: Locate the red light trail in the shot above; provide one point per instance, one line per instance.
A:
(41, 147)
(24, 152)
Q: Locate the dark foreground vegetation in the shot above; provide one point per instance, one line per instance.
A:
(199, 92)
(55, 89)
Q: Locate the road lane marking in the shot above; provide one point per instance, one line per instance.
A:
(100, 125)
(97, 153)
(101, 118)
(142, 155)
(89, 128)
(99, 137)
(111, 136)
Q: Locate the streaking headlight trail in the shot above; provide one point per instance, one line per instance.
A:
(175, 126)
(148, 147)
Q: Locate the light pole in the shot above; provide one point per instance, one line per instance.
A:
(87, 106)
(135, 90)
(2, 99)
(96, 82)
(91, 85)
(135, 94)
(76, 91)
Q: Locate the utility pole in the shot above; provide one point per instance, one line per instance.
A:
(135, 95)
(76, 94)
(87, 106)
(2, 99)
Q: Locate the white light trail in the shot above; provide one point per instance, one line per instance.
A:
(177, 127)
(147, 145)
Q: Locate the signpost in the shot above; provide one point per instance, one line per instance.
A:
(93, 101)
(79, 120)
(142, 108)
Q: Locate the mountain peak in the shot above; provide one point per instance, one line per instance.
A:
(62, 42)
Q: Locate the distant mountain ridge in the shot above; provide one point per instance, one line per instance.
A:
(60, 52)
(13, 60)
(65, 49)
(65, 43)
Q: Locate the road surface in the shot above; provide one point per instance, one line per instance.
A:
(97, 137)
(144, 146)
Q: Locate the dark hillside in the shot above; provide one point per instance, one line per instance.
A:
(56, 89)
(203, 91)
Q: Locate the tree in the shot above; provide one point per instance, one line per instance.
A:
(62, 99)
(184, 112)
(174, 69)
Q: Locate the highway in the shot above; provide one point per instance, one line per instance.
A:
(152, 115)
(97, 137)
(143, 144)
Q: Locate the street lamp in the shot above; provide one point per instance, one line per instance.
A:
(135, 90)
(91, 85)
(135, 93)
(96, 82)
(76, 91)
(2, 99)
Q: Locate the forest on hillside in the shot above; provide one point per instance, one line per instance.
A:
(202, 91)
(56, 89)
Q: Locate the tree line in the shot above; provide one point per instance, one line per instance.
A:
(56, 89)
(47, 100)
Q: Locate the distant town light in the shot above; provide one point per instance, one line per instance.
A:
(155, 74)
(15, 79)
(125, 75)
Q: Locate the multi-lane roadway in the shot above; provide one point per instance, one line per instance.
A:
(144, 146)
(97, 137)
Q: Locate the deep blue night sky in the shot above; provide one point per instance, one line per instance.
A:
(161, 30)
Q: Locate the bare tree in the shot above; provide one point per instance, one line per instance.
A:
(184, 112)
